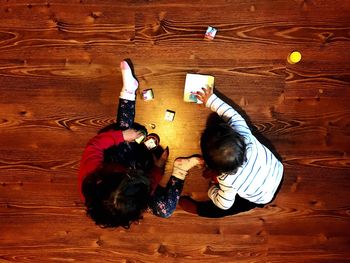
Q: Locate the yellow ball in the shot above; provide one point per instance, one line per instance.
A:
(294, 57)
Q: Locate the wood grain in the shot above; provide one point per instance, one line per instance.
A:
(59, 85)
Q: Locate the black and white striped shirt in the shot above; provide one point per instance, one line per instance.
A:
(258, 178)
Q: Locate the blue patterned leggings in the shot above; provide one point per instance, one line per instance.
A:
(125, 114)
(163, 202)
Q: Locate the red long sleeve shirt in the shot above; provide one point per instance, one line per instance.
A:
(93, 157)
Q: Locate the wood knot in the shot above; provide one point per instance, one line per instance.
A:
(95, 14)
(99, 242)
(243, 102)
(281, 98)
(207, 250)
(315, 203)
(161, 249)
(161, 15)
(218, 231)
(326, 37)
(261, 233)
(322, 237)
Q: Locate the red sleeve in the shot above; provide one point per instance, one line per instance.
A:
(93, 153)
(156, 176)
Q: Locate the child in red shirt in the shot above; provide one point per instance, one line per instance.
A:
(118, 178)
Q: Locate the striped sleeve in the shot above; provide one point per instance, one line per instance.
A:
(228, 114)
(222, 196)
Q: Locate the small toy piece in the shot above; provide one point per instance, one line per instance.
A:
(147, 94)
(152, 126)
(169, 115)
(294, 57)
(150, 144)
(210, 33)
(141, 138)
(152, 141)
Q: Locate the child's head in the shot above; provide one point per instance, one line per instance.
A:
(118, 192)
(115, 198)
(132, 155)
(223, 149)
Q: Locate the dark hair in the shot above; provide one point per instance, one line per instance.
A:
(223, 149)
(131, 154)
(118, 192)
(115, 199)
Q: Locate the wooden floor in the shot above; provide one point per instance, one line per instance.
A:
(59, 84)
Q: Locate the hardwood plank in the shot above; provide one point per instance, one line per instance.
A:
(59, 84)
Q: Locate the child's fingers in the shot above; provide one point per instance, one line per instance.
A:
(135, 134)
(138, 133)
(205, 89)
(199, 97)
(199, 93)
(160, 162)
(165, 154)
(209, 90)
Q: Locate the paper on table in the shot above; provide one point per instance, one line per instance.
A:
(194, 83)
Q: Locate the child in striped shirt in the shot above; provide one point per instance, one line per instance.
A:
(248, 174)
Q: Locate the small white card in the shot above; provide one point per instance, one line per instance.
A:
(169, 115)
(194, 83)
(147, 94)
(140, 139)
(210, 33)
(150, 144)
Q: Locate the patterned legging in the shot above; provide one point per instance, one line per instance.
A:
(163, 202)
(125, 114)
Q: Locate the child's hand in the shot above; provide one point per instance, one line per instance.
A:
(205, 95)
(160, 162)
(131, 134)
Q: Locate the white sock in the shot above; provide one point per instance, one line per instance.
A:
(130, 84)
(183, 165)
